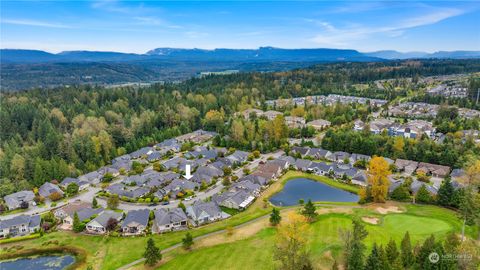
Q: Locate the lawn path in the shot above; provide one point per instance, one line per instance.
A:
(128, 266)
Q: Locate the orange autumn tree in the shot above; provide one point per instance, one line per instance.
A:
(377, 173)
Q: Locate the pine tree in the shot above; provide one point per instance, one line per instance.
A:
(392, 251)
(309, 211)
(275, 217)
(445, 193)
(356, 257)
(423, 196)
(77, 225)
(152, 253)
(422, 260)
(373, 260)
(187, 242)
(406, 251)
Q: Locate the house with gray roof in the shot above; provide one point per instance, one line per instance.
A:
(340, 156)
(256, 179)
(235, 200)
(48, 189)
(181, 184)
(238, 157)
(302, 151)
(340, 169)
(416, 185)
(320, 168)
(205, 212)
(360, 178)
(154, 156)
(135, 222)
(19, 225)
(302, 164)
(166, 220)
(15, 200)
(98, 225)
(247, 186)
(169, 145)
(80, 183)
(83, 215)
(357, 157)
(142, 152)
(92, 177)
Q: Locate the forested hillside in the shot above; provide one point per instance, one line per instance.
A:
(51, 134)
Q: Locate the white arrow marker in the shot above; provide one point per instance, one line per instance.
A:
(187, 171)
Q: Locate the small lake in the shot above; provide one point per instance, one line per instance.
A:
(51, 262)
(306, 189)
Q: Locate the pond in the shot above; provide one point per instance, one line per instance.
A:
(306, 189)
(50, 262)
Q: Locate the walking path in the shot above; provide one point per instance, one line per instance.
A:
(127, 266)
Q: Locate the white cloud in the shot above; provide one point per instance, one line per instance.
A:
(335, 36)
(28, 22)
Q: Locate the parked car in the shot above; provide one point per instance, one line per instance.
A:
(166, 203)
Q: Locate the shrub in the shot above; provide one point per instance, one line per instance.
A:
(55, 196)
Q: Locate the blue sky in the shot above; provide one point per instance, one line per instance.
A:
(138, 26)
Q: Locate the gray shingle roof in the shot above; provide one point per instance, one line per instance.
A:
(140, 216)
(174, 215)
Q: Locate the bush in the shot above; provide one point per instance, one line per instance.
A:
(55, 196)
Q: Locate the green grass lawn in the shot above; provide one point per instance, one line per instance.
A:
(256, 252)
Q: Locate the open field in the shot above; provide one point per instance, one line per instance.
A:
(255, 252)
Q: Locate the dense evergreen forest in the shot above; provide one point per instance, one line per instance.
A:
(51, 134)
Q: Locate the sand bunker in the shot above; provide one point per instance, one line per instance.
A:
(392, 209)
(371, 220)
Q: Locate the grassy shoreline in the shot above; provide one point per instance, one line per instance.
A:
(79, 254)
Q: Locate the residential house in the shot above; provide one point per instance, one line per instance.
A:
(19, 225)
(99, 224)
(92, 177)
(295, 122)
(416, 185)
(319, 124)
(320, 168)
(357, 157)
(458, 175)
(249, 112)
(302, 164)
(83, 215)
(360, 178)
(48, 189)
(135, 222)
(247, 186)
(69, 209)
(303, 151)
(255, 179)
(340, 156)
(433, 169)
(238, 157)
(406, 166)
(235, 200)
(142, 152)
(204, 212)
(270, 115)
(81, 184)
(15, 200)
(173, 219)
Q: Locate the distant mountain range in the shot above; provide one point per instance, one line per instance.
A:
(242, 55)
(391, 55)
(26, 69)
(238, 55)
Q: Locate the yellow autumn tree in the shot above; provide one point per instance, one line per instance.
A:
(299, 111)
(378, 172)
(472, 173)
(291, 242)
